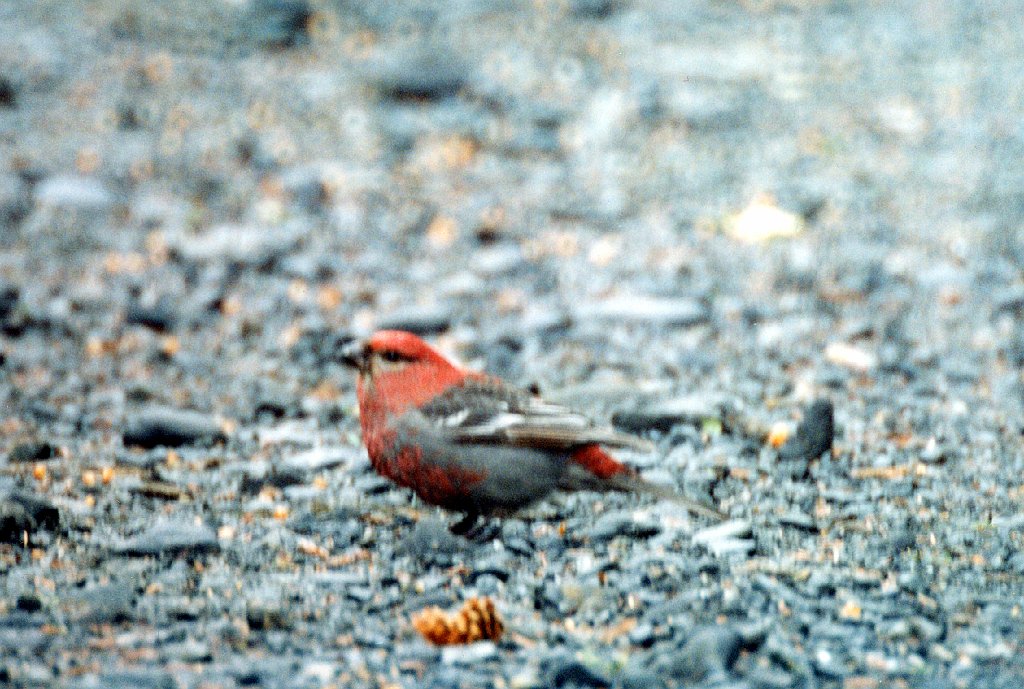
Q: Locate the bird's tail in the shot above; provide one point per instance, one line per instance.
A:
(637, 484)
(594, 469)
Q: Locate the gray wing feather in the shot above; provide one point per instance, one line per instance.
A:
(513, 417)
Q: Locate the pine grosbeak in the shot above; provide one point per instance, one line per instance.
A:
(471, 443)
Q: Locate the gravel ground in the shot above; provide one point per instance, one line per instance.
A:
(691, 218)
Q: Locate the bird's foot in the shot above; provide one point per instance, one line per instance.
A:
(464, 525)
(474, 528)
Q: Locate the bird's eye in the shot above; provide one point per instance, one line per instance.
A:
(391, 356)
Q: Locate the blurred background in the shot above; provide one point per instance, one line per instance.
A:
(457, 162)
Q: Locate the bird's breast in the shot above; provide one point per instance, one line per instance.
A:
(437, 480)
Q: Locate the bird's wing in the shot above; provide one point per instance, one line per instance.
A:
(487, 411)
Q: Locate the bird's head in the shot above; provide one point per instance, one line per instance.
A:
(390, 351)
(399, 366)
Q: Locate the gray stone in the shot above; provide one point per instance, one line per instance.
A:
(23, 513)
(623, 523)
(663, 311)
(725, 538)
(74, 210)
(249, 245)
(429, 72)
(106, 604)
(430, 320)
(321, 458)
(74, 194)
(470, 654)
(170, 538)
(707, 656)
(171, 428)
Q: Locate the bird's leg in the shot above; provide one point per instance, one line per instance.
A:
(473, 527)
(485, 530)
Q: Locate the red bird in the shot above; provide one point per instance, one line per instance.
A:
(470, 443)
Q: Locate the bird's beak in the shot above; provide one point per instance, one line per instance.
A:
(356, 355)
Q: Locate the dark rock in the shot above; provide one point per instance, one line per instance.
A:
(15, 205)
(662, 416)
(498, 566)
(1016, 563)
(813, 436)
(428, 73)
(372, 484)
(569, 672)
(28, 604)
(281, 23)
(159, 316)
(593, 9)
(160, 490)
(20, 320)
(421, 321)
(9, 295)
(32, 452)
(642, 635)
(8, 93)
(164, 426)
(272, 407)
(129, 118)
(267, 617)
(266, 672)
(21, 512)
(170, 538)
